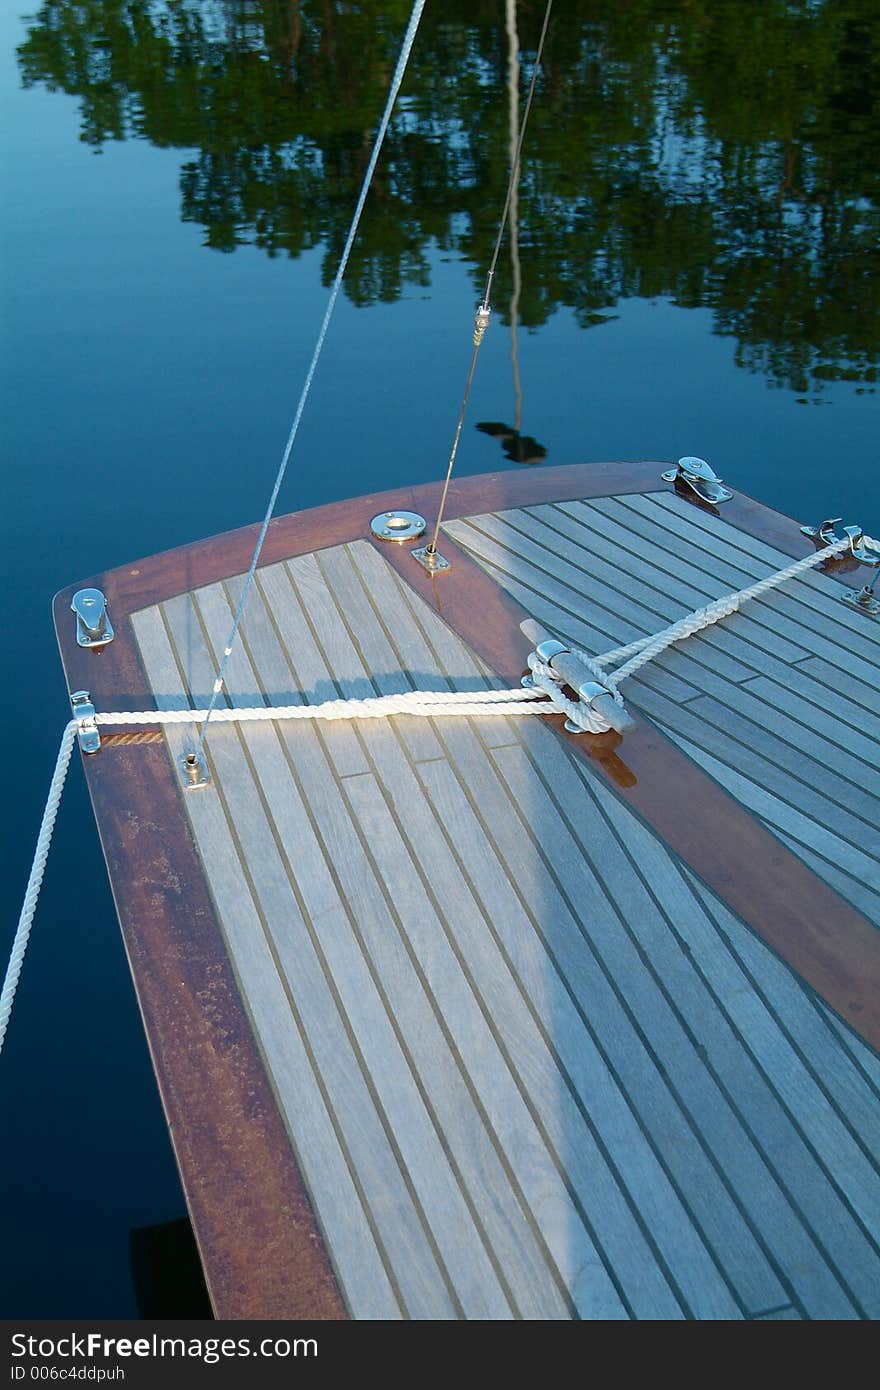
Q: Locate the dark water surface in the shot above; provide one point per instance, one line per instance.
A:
(698, 249)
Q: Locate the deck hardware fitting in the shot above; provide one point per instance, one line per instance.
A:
(588, 693)
(864, 600)
(430, 559)
(702, 480)
(93, 626)
(397, 526)
(195, 770)
(568, 668)
(84, 713)
(823, 534)
(857, 550)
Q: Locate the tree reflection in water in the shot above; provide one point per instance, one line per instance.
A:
(719, 155)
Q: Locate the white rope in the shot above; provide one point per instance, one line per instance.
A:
(427, 703)
(646, 648)
(397, 80)
(32, 893)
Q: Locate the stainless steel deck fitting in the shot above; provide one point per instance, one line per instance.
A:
(695, 474)
(93, 626)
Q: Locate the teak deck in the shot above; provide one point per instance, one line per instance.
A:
(473, 1018)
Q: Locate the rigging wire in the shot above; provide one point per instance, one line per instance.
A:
(406, 49)
(483, 312)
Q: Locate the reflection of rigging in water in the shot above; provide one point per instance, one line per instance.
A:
(519, 448)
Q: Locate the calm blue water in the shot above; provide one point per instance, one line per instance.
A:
(148, 386)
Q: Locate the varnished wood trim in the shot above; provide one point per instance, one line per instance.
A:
(153, 580)
(260, 1245)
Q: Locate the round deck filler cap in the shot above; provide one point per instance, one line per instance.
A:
(397, 526)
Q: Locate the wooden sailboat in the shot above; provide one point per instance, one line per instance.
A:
(471, 1017)
(477, 1017)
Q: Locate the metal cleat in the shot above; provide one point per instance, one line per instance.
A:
(825, 533)
(93, 626)
(571, 671)
(701, 479)
(857, 550)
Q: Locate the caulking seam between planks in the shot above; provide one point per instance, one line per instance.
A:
(863, 1055)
